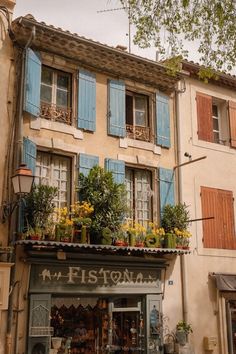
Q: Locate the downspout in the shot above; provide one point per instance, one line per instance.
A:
(17, 161)
(180, 199)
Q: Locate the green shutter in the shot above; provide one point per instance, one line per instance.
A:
(116, 108)
(39, 322)
(33, 68)
(87, 100)
(167, 187)
(117, 168)
(162, 120)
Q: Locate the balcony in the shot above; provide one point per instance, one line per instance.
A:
(56, 113)
(137, 132)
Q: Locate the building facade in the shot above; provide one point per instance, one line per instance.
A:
(85, 104)
(206, 133)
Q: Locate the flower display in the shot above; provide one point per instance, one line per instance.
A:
(80, 213)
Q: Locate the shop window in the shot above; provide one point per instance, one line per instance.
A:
(56, 95)
(137, 117)
(139, 192)
(54, 170)
(213, 119)
(231, 322)
(218, 227)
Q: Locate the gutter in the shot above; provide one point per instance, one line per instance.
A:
(18, 160)
(180, 199)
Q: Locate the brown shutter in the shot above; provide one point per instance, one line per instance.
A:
(211, 227)
(226, 202)
(218, 232)
(204, 117)
(232, 123)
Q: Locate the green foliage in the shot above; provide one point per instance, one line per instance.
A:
(169, 25)
(39, 206)
(175, 216)
(107, 198)
(185, 327)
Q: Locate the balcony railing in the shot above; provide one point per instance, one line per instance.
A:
(56, 113)
(137, 132)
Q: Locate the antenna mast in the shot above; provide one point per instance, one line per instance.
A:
(129, 28)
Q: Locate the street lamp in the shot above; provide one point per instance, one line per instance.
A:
(22, 183)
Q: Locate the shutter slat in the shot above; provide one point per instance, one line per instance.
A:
(232, 123)
(87, 101)
(29, 154)
(225, 200)
(86, 162)
(204, 117)
(167, 187)
(162, 120)
(33, 69)
(117, 168)
(116, 108)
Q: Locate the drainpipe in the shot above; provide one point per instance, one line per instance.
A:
(17, 161)
(180, 198)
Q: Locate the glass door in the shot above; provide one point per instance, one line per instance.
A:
(126, 332)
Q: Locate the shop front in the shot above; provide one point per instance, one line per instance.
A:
(91, 305)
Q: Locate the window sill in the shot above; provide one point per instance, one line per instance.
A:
(217, 252)
(138, 144)
(214, 146)
(41, 123)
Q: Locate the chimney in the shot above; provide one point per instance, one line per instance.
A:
(121, 47)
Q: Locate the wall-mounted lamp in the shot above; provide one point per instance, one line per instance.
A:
(22, 183)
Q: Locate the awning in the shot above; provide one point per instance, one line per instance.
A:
(225, 282)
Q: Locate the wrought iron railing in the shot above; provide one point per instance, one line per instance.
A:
(137, 132)
(56, 113)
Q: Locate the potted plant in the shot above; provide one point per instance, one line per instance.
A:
(80, 215)
(64, 225)
(175, 221)
(39, 207)
(107, 198)
(154, 236)
(182, 331)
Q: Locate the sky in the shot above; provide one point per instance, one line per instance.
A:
(84, 18)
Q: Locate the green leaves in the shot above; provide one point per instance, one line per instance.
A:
(171, 25)
(107, 197)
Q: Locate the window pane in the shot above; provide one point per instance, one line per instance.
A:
(140, 118)
(215, 110)
(46, 93)
(62, 98)
(140, 110)
(63, 81)
(46, 77)
(215, 124)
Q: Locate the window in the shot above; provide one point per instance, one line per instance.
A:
(138, 186)
(55, 95)
(212, 119)
(137, 117)
(54, 170)
(218, 227)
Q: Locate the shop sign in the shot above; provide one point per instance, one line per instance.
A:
(84, 276)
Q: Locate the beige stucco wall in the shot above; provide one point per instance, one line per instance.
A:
(6, 119)
(218, 171)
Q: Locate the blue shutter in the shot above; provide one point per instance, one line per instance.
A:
(32, 83)
(162, 120)
(86, 162)
(29, 154)
(87, 101)
(116, 109)
(117, 168)
(167, 187)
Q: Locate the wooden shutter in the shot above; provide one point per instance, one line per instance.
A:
(87, 100)
(218, 232)
(211, 227)
(29, 154)
(204, 117)
(33, 67)
(167, 187)
(39, 322)
(86, 162)
(226, 202)
(232, 123)
(116, 108)
(162, 120)
(117, 168)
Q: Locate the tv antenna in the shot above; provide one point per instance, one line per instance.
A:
(129, 28)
